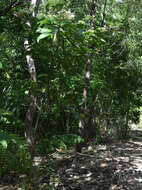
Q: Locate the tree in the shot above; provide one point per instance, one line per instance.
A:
(31, 112)
(82, 122)
(63, 43)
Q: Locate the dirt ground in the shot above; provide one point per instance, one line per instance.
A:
(112, 166)
(116, 166)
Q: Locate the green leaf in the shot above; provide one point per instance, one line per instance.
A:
(4, 144)
(55, 2)
(27, 92)
(4, 112)
(1, 66)
(44, 30)
(42, 36)
(45, 21)
(55, 36)
(43, 75)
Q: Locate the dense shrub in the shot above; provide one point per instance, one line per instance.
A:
(14, 154)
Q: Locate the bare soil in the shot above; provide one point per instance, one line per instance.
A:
(114, 166)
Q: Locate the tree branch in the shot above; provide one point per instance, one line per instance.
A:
(7, 9)
(104, 14)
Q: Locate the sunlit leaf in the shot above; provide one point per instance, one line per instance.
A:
(1, 66)
(4, 144)
(42, 36)
(55, 2)
(44, 30)
(27, 92)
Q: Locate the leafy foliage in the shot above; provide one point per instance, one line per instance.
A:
(14, 154)
(61, 39)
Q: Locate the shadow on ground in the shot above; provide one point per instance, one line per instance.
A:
(116, 166)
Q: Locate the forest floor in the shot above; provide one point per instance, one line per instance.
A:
(111, 166)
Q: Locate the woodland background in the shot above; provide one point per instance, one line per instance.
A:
(70, 72)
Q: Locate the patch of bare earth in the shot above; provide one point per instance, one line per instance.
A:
(116, 166)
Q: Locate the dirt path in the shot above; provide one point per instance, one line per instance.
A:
(116, 166)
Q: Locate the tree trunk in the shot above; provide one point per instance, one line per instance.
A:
(31, 112)
(32, 106)
(83, 122)
(104, 14)
(35, 12)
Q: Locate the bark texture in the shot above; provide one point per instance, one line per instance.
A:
(83, 122)
(104, 14)
(31, 112)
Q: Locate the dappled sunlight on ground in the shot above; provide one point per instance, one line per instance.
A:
(111, 166)
(116, 166)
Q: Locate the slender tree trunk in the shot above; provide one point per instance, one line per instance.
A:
(83, 124)
(104, 13)
(32, 106)
(35, 12)
(31, 112)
